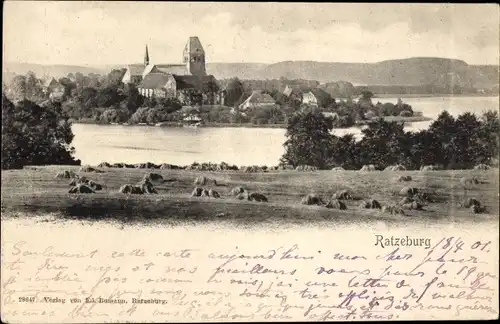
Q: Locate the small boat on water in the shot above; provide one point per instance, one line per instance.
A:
(192, 121)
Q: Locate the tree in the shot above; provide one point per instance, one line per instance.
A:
(35, 135)
(234, 92)
(308, 140)
(18, 87)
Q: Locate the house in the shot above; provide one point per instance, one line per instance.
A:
(258, 99)
(52, 88)
(316, 97)
(310, 99)
(179, 81)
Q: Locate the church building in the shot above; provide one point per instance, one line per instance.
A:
(175, 80)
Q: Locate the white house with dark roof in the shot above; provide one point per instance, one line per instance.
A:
(258, 99)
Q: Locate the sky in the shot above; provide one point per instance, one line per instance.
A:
(109, 32)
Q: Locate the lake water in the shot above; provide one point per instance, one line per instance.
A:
(240, 146)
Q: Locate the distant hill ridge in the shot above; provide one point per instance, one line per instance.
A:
(410, 71)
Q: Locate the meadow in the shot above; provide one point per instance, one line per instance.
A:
(36, 191)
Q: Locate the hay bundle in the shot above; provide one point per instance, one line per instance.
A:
(88, 168)
(342, 194)
(104, 165)
(430, 168)
(469, 202)
(147, 165)
(482, 167)
(153, 177)
(312, 199)
(202, 180)
(131, 189)
(81, 188)
(336, 204)
(89, 183)
(338, 169)
(408, 191)
(237, 190)
(370, 204)
(197, 191)
(242, 196)
(466, 181)
(214, 194)
(413, 205)
(147, 186)
(406, 200)
(405, 178)
(306, 168)
(474, 209)
(393, 210)
(66, 174)
(369, 167)
(205, 193)
(252, 169)
(118, 165)
(128, 166)
(94, 185)
(255, 196)
(397, 167)
(76, 181)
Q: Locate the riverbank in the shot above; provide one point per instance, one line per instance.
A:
(249, 125)
(36, 191)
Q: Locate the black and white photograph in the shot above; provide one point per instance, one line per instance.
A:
(249, 161)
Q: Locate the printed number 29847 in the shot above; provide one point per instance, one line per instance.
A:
(26, 299)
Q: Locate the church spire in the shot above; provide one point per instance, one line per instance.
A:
(146, 56)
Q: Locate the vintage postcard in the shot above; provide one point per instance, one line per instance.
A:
(243, 162)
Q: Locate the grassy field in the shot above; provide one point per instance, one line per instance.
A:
(36, 190)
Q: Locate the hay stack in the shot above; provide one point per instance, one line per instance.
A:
(338, 169)
(242, 196)
(147, 186)
(469, 202)
(405, 178)
(306, 168)
(406, 200)
(153, 177)
(214, 194)
(397, 167)
(66, 174)
(255, 196)
(342, 194)
(408, 191)
(413, 205)
(88, 168)
(482, 167)
(81, 188)
(131, 189)
(370, 204)
(237, 190)
(393, 210)
(369, 167)
(312, 199)
(430, 168)
(202, 180)
(466, 181)
(336, 204)
(205, 193)
(197, 191)
(474, 209)
(118, 165)
(104, 165)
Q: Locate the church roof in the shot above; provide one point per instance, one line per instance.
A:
(136, 69)
(179, 69)
(191, 81)
(154, 81)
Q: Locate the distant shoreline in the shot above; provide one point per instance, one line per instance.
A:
(413, 119)
(395, 95)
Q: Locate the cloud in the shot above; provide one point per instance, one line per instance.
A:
(116, 32)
